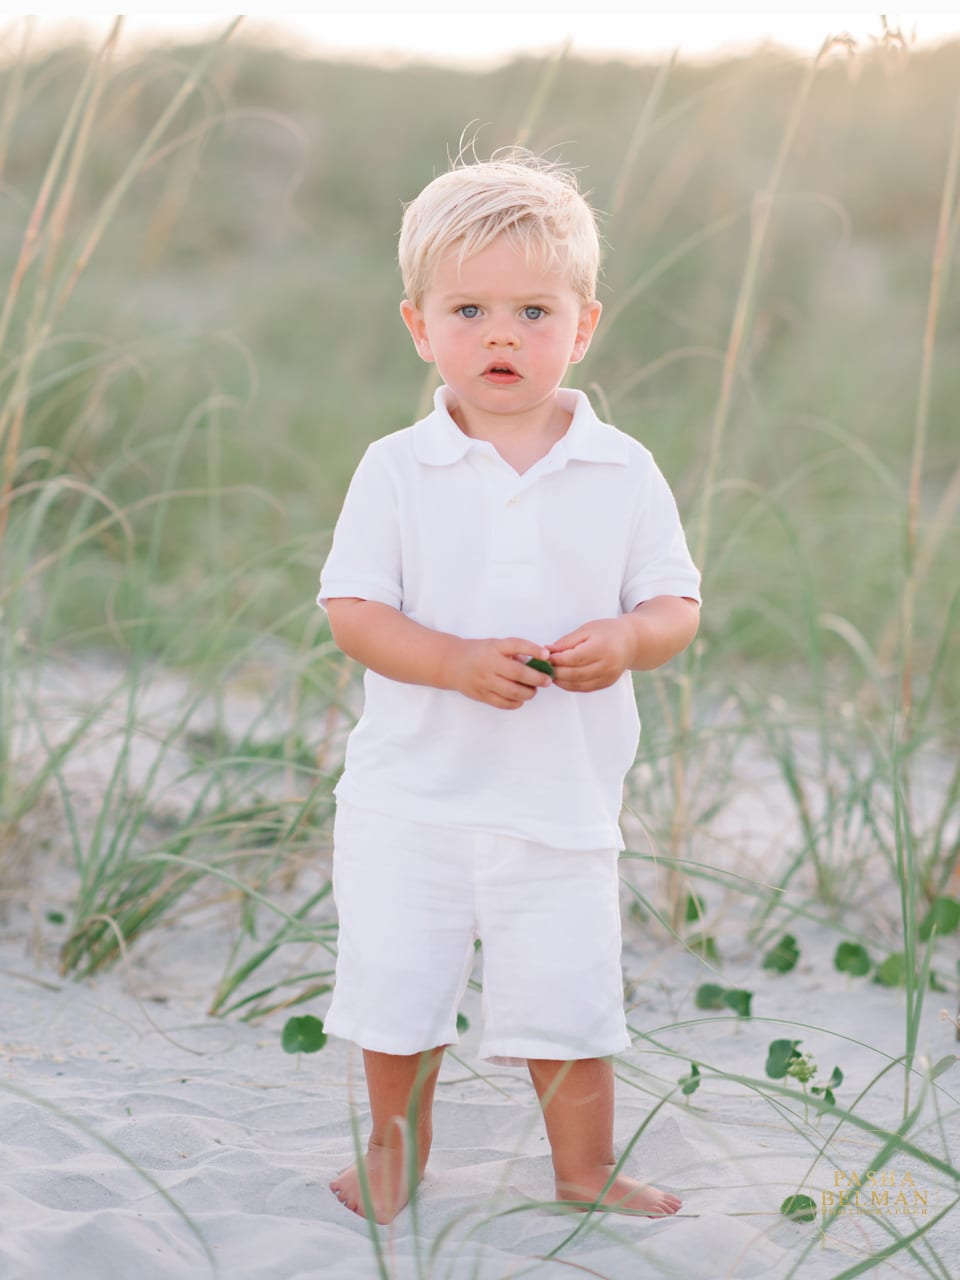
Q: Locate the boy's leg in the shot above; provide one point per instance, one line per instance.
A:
(577, 1101)
(392, 1080)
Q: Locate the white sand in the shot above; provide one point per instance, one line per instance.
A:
(126, 1068)
(244, 1139)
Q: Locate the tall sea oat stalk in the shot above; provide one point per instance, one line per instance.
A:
(44, 276)
(739, 330)
(45, 232)
(946, 231)
(49, 231)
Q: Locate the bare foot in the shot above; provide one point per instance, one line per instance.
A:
(626, 1195)
(388, 1183)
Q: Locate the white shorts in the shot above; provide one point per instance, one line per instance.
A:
(412, 898)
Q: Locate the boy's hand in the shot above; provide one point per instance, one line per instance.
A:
(592, 657)
(495, 671)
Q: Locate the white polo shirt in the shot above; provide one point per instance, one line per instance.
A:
(440, 526)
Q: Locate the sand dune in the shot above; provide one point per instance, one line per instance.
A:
(242, 1139)
(141, 1139)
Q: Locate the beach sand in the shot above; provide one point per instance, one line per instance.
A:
(243, 1138)
(141, 1139)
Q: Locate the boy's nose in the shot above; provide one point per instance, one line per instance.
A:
(500, 336)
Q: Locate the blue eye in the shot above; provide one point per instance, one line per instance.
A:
(533, 313)
(469, 312)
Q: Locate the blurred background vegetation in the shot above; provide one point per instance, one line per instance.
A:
(234, 343)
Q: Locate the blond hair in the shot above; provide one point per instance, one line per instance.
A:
(535, 202)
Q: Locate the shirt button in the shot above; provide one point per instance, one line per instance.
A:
(513, 502)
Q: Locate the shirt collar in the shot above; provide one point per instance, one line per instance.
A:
(438, 440)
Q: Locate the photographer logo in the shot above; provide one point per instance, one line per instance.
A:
(883, 1193)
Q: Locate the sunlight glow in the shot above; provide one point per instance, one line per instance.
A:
(439, 30)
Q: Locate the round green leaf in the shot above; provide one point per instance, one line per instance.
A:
(944, 916)
(691, 1083)
(784, 956)
(696, 908)
(738, 1001)
(303, 1035)
(893, 971)
(710, 996)
(705, 944)
(850, 957)
(779, 1056)
(944, 1065)
(799, 1208)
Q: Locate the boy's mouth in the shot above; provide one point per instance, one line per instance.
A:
(501, 371)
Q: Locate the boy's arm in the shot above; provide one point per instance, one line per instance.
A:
(596, 654)
(393, 645)
(658, 630)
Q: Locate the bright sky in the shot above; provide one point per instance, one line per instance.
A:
(489, 30)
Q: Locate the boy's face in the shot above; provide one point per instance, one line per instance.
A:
(502, 333)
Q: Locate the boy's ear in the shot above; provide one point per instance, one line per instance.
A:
(589, 319)
(413, 319)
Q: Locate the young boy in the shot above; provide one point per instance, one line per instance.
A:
(480, 796)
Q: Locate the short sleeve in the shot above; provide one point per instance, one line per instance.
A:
(364, 559)
(658, 559)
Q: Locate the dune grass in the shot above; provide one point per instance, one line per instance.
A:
(183, 397)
